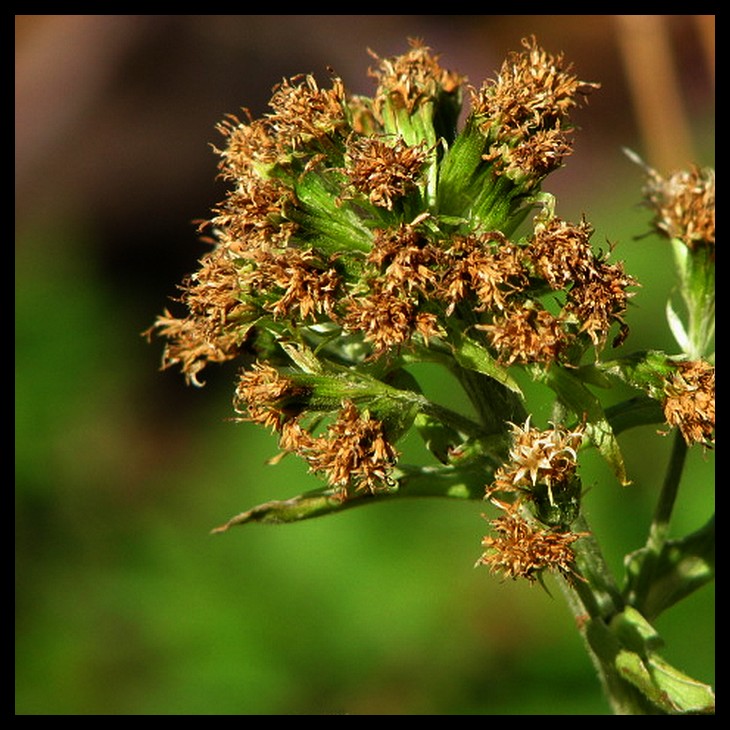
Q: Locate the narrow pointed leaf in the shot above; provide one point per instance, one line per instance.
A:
(677, 328)
(473, 356)
(438, 481)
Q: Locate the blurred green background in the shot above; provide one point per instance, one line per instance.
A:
(125, 604)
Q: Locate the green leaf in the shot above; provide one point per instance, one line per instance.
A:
(329, 227)
(678, 692)
(696, 274)
(667, 687)
(615, 663)
(625, 652)
(408, 481)
(677, 328)
(638, 411)
(278, 512)
(646, 370)
(458, 171)
(638, 662)
(473, 356)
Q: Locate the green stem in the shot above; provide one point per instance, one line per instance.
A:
(659, 529)
(646, 561)
(599, 592)
(594, 600)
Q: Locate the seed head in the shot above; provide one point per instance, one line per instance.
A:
(689, 402)
(538, 457)
(384, 172)
(519, 550)
(525, 111)
(683, 205)
(353, 454)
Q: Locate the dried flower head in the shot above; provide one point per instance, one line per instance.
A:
(527, 334)
(525, 111)
(600, 301)
(249, 144)
(383, 171)
(354, 453)
(684, 205)
(292, 283)
(487, 268)
(405, 261)
(265, 396)
(211, 332)
(690, 401)
(302, 112)
(519, 550)
(538, 457)
(191, 345)
(412, 79)
(561, 253)
(387, 319)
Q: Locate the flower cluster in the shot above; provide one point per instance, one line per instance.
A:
(353, 453)
(541, 474)
(360, 235)
(364, 241)
(524, 111)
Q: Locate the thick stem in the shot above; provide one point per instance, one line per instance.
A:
(594, 599)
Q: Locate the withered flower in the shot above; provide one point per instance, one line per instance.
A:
(302, 112)
(561, 252)
(412, 78)
(525, 111)
(406, 260)
(600, 301)
(684, 205)
(294, 282)
(523, 334)
(690, 402)
(486, 267)
(265, 396)
(383, 171)
(387, 320)
(519, 550)
(538, 457)
(354, 453)
(191, 344)
(210, 332)
(249, 144)
(251, 217)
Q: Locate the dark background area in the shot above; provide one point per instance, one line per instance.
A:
(124, 603)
